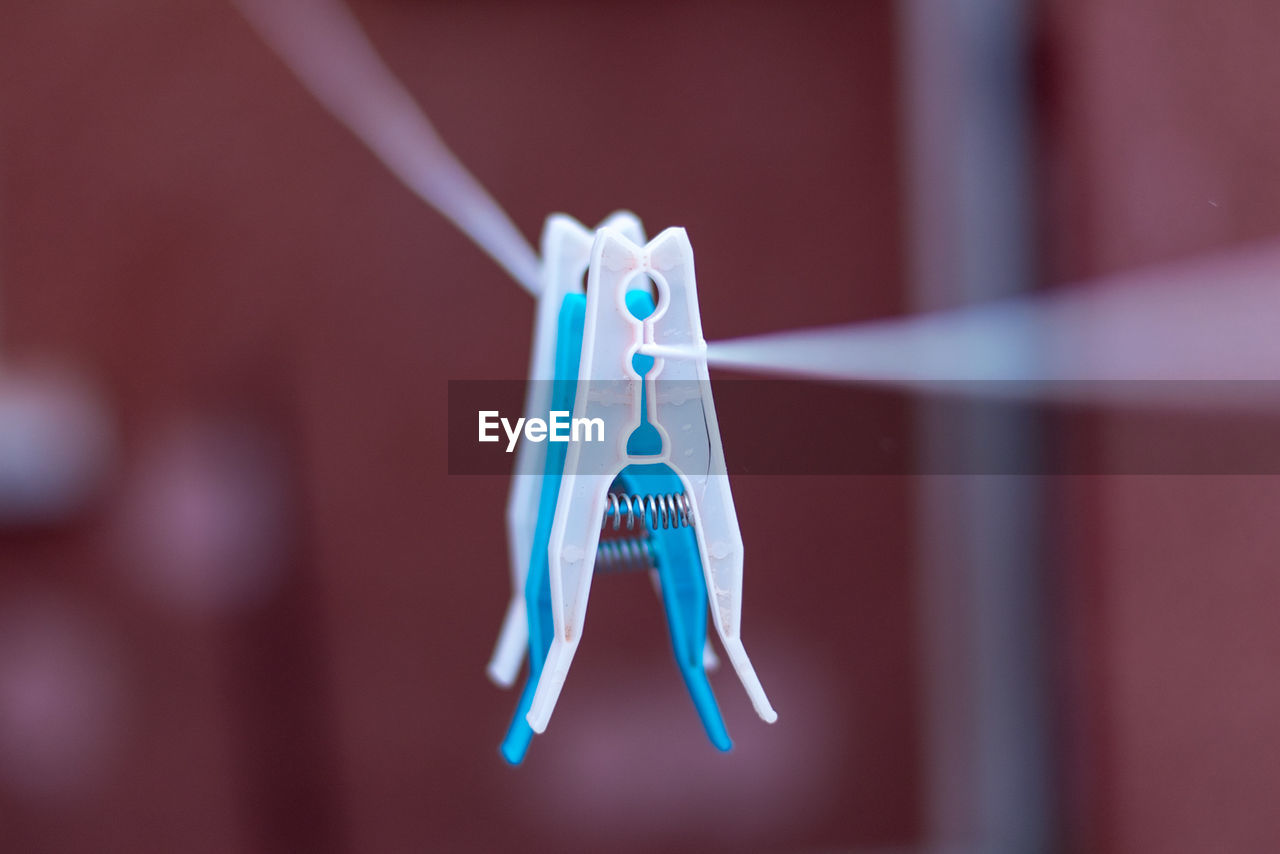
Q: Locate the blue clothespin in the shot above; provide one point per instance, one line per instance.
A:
(617, 340)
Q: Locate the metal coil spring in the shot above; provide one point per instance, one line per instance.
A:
(624, 554)
(672, 510)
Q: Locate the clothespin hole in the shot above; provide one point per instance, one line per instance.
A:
(641, 304)
(642, 297)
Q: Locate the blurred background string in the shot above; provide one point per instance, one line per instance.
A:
(1125, 338)
(323, 45)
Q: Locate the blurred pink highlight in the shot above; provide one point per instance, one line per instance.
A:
(59, 700)
(628, 758)
(203, 519)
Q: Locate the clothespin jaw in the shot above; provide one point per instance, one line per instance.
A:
(612, 389)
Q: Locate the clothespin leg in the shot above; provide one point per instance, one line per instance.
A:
(519, 734)
(571, 556)
(684, 600)
(710, 661)
(721, 547)
(522, 513)
(727, 628)
(513, 640)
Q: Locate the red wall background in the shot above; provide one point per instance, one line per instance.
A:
(268, 630)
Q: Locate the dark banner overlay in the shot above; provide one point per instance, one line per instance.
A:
(788, 427)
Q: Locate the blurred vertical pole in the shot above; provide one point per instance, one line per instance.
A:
(979, 563)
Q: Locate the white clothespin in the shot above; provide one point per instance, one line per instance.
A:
(690, 446)
(566, 252)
